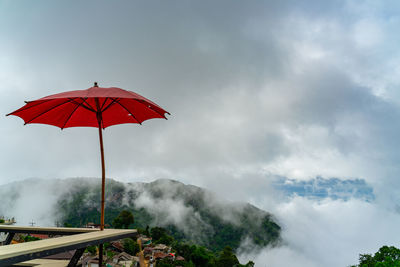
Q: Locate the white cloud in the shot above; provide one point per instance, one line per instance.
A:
(328, 232)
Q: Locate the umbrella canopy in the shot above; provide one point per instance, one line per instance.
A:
(93, 107)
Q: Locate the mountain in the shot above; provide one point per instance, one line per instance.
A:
(189, 213)
(319, 188)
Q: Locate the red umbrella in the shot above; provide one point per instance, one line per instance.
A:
(94, 107)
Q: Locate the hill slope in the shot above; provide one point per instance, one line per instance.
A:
(190, 213)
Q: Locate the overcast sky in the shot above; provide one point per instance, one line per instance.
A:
(256, 90)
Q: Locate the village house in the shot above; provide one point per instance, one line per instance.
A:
(162, 248)
(117, 246)
(124, 259)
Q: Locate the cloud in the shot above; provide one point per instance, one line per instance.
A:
(328, 232)
(167, 211)
(34, 200)
(273, 87)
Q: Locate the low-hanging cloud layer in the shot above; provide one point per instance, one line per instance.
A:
(295, 89)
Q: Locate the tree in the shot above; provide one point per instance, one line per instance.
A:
(166, 240)
(201, 256)
(165, 263)
(387, 253)
(227, 258)
(123, 220)
(385, 257)
(184, 250)
(157, 233)
(131, 247)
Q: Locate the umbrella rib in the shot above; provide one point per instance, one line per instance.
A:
(117, 101)
(152, 108)
(25, 108)
(109, 105)
(69, 100)
(88, 107)
(103, 104)
(70, 115)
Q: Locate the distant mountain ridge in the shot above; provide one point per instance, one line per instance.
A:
(190, 213)
(320, 188)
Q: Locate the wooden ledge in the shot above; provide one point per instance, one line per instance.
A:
(16, 253)
(45, 230)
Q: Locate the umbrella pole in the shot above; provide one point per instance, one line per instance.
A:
(103, 181)
(103, 178)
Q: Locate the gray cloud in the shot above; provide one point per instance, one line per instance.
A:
(328, 233)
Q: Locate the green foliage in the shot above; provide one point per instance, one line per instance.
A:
(123, 220)
(201, 256)
(160, 236)
(227, 258)
(91, 249)
(29, 238)
(170, 263)
(385, 257)
(184, 250)
(157, 232)
(2, 221)
(165, 263)
(130, 246)
(106, 245)
(166, 239)
(110, 254)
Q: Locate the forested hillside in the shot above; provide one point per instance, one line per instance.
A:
(189, 213)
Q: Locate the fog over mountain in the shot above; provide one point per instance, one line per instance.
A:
(190, 213)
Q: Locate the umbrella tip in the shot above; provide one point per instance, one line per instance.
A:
(95, 84)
